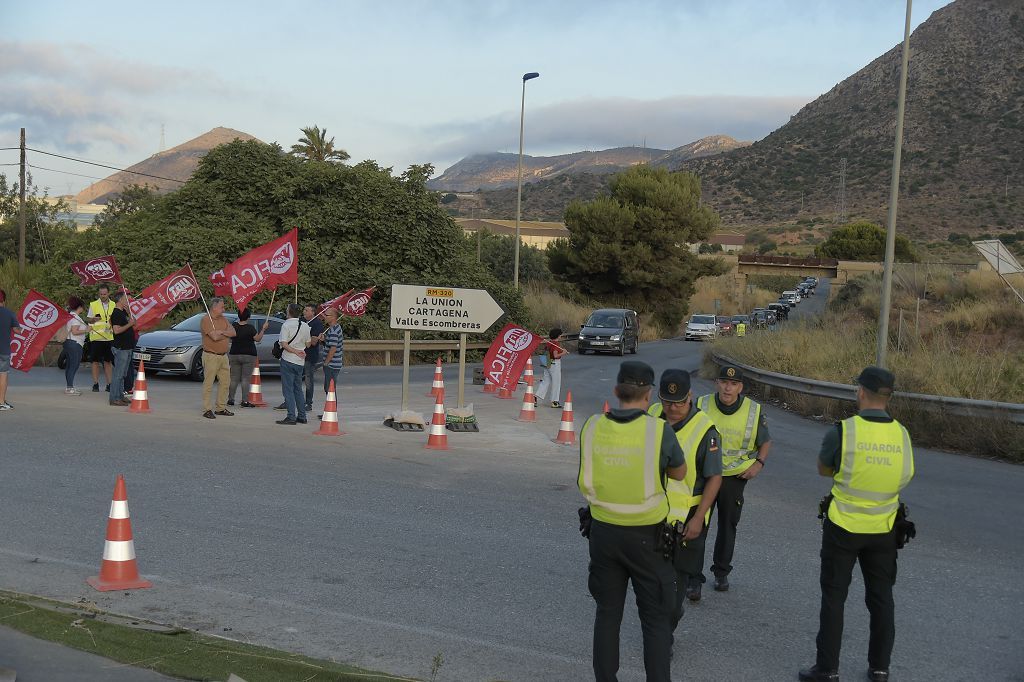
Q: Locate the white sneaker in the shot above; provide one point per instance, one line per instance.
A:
(6, 406)
(72, 391)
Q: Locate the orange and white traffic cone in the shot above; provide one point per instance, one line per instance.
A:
(119, 570)
(567, 429)
(329, 422)
(528, 412)
(488, 386)
(255, 397)
(438, 384)
(438, 438)
(606, 409)
(140, 396)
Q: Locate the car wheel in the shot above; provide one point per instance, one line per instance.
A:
(581, 351)
(633, 349)
(622, 349)
(196, 374)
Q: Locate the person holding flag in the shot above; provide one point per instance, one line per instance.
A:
(8, 323)
(122, 325)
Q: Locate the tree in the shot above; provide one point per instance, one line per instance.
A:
(47, 221)
(767, 246)
(630, 247)
(710, 248)
(863, 241)
(314, 146)
(497, 253)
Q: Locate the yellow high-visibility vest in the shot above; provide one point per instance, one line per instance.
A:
(101, 331)
(878, 462)
(741, 329)
(680, 493)
(620, 470)
(737, 430)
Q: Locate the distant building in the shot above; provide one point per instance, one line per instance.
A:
(533, 232)
(731, 242)
(82, 215)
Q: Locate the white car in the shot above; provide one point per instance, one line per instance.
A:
(701, 327)
(794, 295)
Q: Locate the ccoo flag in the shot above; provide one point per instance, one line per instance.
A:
(265, 267)
(159, 298)
(39, 318)
(97, 270)
(507, 356)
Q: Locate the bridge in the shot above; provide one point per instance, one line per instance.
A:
(840, 272)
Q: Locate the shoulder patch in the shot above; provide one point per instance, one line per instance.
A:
(712, 443)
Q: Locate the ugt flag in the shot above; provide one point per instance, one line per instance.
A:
(96, 270)
(355, 304)
(265, 267)
(336, 303)
(159, 298)
(40, 318)
(507, 356)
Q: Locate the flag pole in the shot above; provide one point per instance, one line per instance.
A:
(273, 293)
(189, 263)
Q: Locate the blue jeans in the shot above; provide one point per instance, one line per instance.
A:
(308, 372)
(122, 363)
(331, 374)
(291, 384)
(73, 352)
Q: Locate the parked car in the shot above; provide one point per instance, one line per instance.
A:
(615, 330)
(725, 327)
(805, 289)
(781, 310)
(791, 297)
(701, 327)
(773, 318)
(178, 350)
(813, 281)
(743, 319)
(760, 318)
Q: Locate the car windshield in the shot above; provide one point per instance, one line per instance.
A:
(723, 320)
(741, 318)
(192, 323)
(605, 321)
(703, 319)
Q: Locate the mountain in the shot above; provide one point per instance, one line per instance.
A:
(178, 163)
(963, 136)
(498, 170)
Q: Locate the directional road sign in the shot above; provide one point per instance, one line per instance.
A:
(419, 308)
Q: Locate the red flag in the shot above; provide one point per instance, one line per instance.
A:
(355, 304)
(265, 267)
(97, 270)
(159, 298)
(40, 318)
(336, 303)
(507, 356)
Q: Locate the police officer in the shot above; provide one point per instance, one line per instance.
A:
(870, 459)
(745, 446)
(689, 500)
(624, 457)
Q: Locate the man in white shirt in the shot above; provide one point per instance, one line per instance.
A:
(294, 339)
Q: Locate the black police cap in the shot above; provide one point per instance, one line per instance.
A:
(675, 385)
(730, 373)
(635, 373)
(877, 380)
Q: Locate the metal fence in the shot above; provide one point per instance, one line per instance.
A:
(961, 407)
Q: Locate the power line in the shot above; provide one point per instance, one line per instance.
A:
(103, 165)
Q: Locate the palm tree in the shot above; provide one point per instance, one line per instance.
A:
(314, 146)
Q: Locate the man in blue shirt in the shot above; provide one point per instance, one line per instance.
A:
(8, 323)
(333, 342)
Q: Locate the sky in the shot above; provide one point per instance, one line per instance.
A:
(405, 82)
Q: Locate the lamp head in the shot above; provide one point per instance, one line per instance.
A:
(530, 76)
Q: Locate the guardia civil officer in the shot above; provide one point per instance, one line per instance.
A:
(624, 457)
(870, 459)
(689, 500)
(745, 446)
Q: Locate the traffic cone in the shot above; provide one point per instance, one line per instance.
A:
(438, 438)
(255, 396)
(438, 384)
(118, 570)
(566, 430)
(528, 412)
(140, 397)
(488, 386)
(606, 409)
(329, 422)
(528, 372)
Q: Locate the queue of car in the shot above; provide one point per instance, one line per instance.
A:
(703, 326)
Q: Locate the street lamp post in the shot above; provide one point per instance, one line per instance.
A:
(519, 181)
(882, 348)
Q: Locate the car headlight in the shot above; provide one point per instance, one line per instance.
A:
(617, 337)
(176, 350)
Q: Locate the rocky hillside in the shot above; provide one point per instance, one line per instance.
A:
(178, 162)
(963, 167)
(497, 171)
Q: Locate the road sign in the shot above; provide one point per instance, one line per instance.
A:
(420, 308)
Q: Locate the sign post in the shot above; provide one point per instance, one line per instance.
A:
(430, 308)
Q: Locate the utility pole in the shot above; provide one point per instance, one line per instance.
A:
(21, 210)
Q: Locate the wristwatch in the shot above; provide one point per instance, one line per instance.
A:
(759, 461)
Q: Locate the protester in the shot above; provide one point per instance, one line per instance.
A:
(242, 356)
(316, 329)
(122, 325)
(217, 335)
(293, 340)
(74, 344)
(552, 381)
(8, 323)
(100, 337)
(333, 340)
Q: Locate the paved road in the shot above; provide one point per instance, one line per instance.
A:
(372, 550)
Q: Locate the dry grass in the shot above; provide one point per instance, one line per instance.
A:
(550, 309)
(723, 289)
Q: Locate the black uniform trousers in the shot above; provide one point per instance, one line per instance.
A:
(840, 550)
(728, 507)
(618, 555)
(688, 562)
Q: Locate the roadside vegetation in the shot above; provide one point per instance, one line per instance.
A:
(723, 289)
(967, 341)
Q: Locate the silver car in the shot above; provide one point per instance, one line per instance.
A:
(178, 350)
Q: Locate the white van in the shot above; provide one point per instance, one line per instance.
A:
(791, 296)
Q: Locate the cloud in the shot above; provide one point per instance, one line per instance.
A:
(74, 96)
(601, 123)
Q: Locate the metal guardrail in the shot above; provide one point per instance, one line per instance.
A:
(961, 407)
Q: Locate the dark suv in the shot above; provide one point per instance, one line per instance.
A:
(610, 329)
